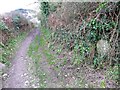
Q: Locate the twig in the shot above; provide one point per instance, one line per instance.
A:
(114, 30)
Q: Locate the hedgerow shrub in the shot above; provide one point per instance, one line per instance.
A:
(3, 26)
(78, 27)
(13, 27)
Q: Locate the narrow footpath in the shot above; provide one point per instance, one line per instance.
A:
(18, 75)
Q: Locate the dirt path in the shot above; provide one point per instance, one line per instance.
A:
(18, 74)
(22, 73)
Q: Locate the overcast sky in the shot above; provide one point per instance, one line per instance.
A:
(8, 5)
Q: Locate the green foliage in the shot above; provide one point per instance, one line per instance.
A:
(45, 8)
(49, 57)
(3, 26)
(102, 84)
(9, 48)
(37, 55)
(44, 39)
(53, 8)
(16, 22)
(80, 53)
(33, 49)
(113, 73)
(88, 34)
(98, 62)
(97, 28)
(101, 6)
(80, 43)
(33, 52)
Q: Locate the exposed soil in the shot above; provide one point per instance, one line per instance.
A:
(83, 76)
(18, 75)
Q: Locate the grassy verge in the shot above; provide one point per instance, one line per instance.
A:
(51, 58)
(33, 52)
(9, 49)
(111, 73)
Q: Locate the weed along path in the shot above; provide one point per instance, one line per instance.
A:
(35, 66)
(19, 74)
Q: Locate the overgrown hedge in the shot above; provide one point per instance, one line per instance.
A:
(13, 26)
(79, 27)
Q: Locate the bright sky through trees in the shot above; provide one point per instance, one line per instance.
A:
(8, 5)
